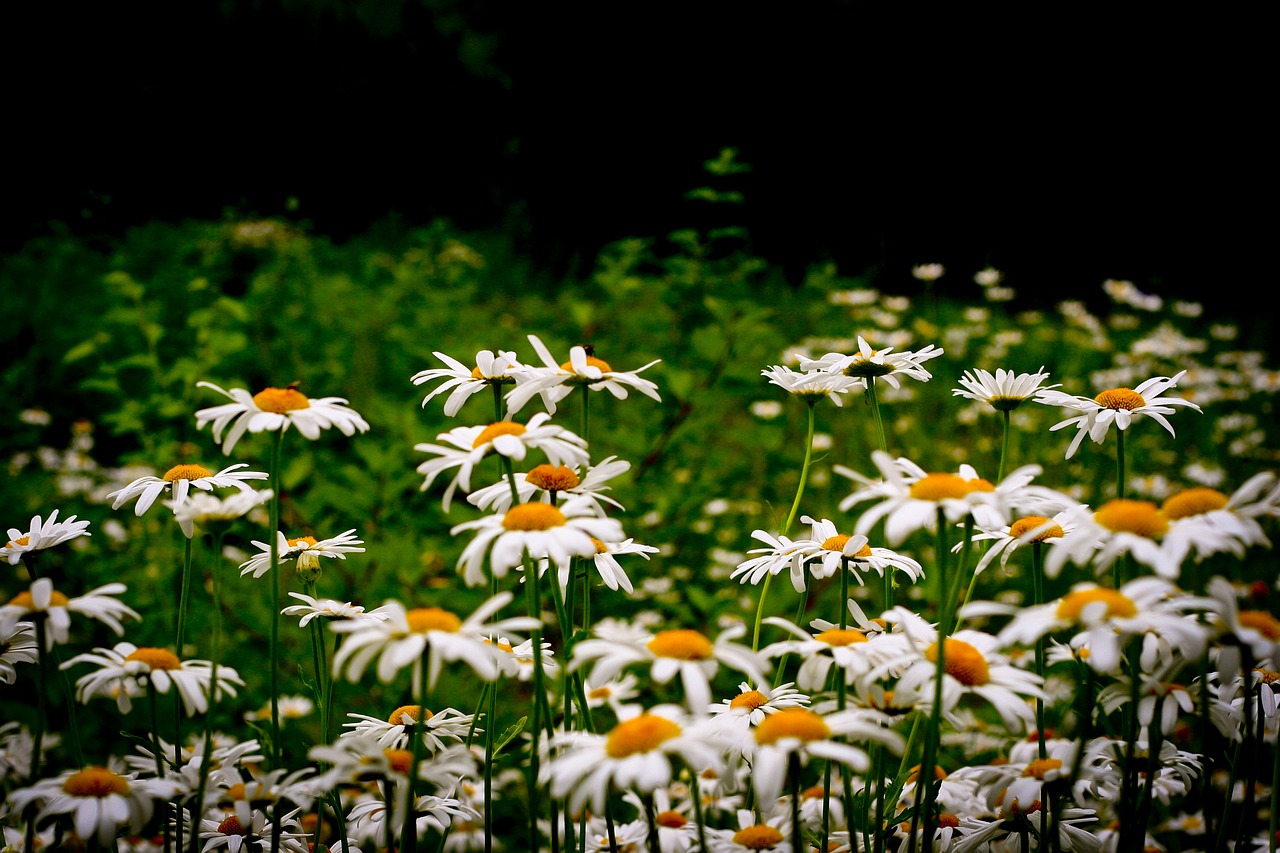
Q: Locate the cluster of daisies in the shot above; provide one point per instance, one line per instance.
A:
(1130, 704)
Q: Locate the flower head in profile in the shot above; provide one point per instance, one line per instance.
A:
(43, 602)
(1119, 528)
(1024, 530)
(17, 645)
(124, 671)
(561, 481)
(274, 409)
(212, 513)
(490, 371)
(1119, 406)
(555, 380)
(42, 534)
(329, 609)
(1003, 392)
(98, 803)
(464, 447)
(436, 729)
(181, 479)
(813, 385)
(836, 549)
(870, 364)
(305, 551)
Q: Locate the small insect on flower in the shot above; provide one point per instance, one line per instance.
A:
(274, 409)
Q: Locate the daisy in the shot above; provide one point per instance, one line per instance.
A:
(211, 513)
(1257, 630)
(17, 645)
(181, 479)
(263, 790)
(677, 651)
(615, 692)
(1204, 511)
(42, 534)
(491, 371)
(869, 364)
(855, 552)
(394, 731)
(559, 480)
(401, 639)
(554, 381)
(306, 550)
(288, 708)
(813, 385)
(124, 672)
(637, 754)
(848, 649)
(1029, 529)
(537, 530)
(752, 704)
(518, 660)
(252, 834)
(781, 552)
(98, 802)
(276, 409)
(330, 609)
(1116, 405)
(752, 834)
(468, 445)
(1005, 391)
(606, 561)
(43, 602)
(1118, 528)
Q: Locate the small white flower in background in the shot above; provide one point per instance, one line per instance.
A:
(490, 371)
(211, 513)
(870, 364)
(42, 534)
(1119, 406)
(813, 385)
(289, 708)
(124, 670)
(554, 380)
(182, 478)
(1005, 391)
(329, 609)
(276, 409)
(1028, 529)
(927, 272)
(42, 601)
(988, 277)
(306, 550)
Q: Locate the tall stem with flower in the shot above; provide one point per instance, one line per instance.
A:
(215, 658)
(273, 474)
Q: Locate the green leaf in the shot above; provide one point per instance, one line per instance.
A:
(509, 735)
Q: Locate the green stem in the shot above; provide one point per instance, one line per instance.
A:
(42, 704)
(701, 819)
(531, 601)
(875, 410)
(1004, 447)
(184, 595)
(797, 829)
(489, 726)
(215, 657)
(586, 414)
(1120, 491)
(155, 745)
(277, 440)
(497, 400)
(321, 664)
(73, 724)
(1037, 591)
(409, 829)
(926, 790)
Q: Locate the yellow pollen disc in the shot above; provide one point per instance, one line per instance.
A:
(670, 819)
(1031, 522)
(25, 601)
(835, 543)
(281, 400)
(405, 713)
(977, 484)
(424, 619)
(494, 430)
(186, 472)
(812, 793)
(21, 540)
(751, 699)
(841, 636)
(792, 723)
(553, 478)
(601, 548)
(948, 819)
(1141, 518)
(1193, 502)
(231, 826)
(937, 487)
(305, 541)
(1120, 398)
(400, 760)
(95, 782)
(1118, 604)
(156, 658)
(681, 644)
(963, 662)
(1042, 766)
(235, 792)
(758, 837)
(599, 693)
(506, 647)
(533, 516)
(938, 773)
(639, 734)
(1267, 676)
(1262, 622)
(592, 361)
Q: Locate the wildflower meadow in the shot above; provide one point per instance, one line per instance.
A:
(400, 545)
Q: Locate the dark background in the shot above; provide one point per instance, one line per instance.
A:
(1061, 145)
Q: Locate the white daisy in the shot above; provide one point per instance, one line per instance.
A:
(212, 513)
(751, 704)
(781, 552)
(1116, 405)
(1029, 529)
(98, 802)
(855, 650)
(17, 645)
(306, 550)
(181, 479)
(274, 409)
(394, 732)
(772, 834)
(124, 671)
(839, 549)
(42, 534)
(255, 833)
(554, 380)
(1118, 528)
(517, 658)
(287, 708)
(490, 371)
(562, 481)
(1210, 522)
(330, 609)
(537, 530)
(813, 385)
(43, 602)
(1005, 391)
(465, 446)
(869, 364)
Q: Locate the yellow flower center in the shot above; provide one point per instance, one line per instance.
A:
(1268, 676)
(506, 647)
(670, 819)
(644, 733)
(155, 658)
(1193, 502)
(553, 478)
(399, 760)
(841, 636)
(494, 430)
(963, 662)
(592, 361)
(758, 837)
(95, 782)
(601, 548)
(26, 602)
(281, 400)
(21, 540)
(231, 826)
(304, 541)
(681, 644)
(476, 374)
(1262, 622)
(813, 792)
(948, 819)
(533, 516)
(599, 693)
(1120, 398)
(1025, 525)
(837, 543)
(1041, 767)
(939, 487)
(1141, 518)
(750, 700)
(792, 723)
(406, 715)
(1118, 604)
(186, 472)
(863, 366)
(424, 619)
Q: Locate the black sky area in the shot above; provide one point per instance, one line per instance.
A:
(1064, 149)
